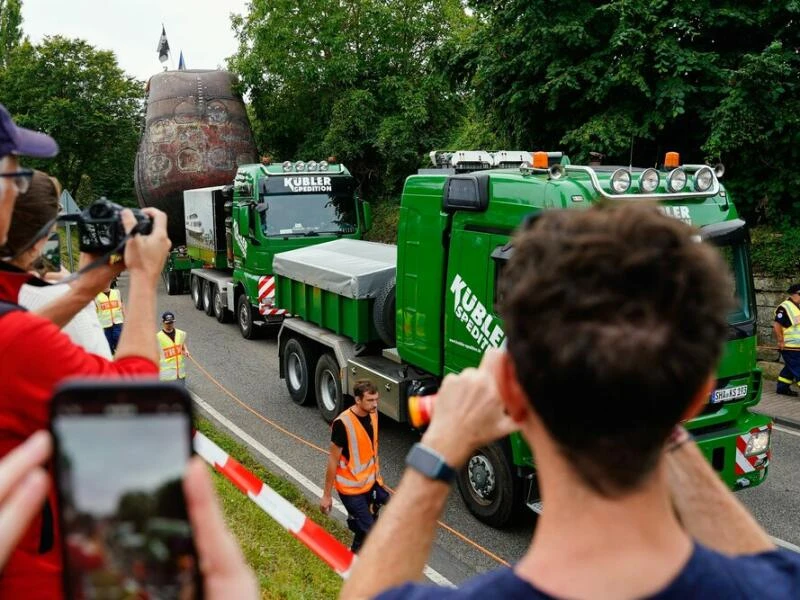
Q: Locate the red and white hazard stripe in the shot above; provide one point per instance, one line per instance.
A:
(266, 297)
(314, 537)
(748, 464)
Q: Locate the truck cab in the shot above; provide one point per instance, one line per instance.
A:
(455, 236)
(236, 230)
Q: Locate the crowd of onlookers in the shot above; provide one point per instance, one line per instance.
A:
(622, 300)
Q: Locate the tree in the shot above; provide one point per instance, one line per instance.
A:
(10, 27)
(709, 79)
(81, 97)
(357, 79)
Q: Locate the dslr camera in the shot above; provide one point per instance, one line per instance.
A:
(100, 226)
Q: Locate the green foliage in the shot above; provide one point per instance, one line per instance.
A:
(774, 251)
(358, 79)
(711, 80)
(385, 221)
(81, 97)
(10, 27)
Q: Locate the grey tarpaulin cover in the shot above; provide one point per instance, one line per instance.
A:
(351, 268)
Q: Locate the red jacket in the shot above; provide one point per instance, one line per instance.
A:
(35, 357)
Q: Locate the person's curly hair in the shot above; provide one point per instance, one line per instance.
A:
(615, 318)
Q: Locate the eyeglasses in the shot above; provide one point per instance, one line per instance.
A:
(22, 179)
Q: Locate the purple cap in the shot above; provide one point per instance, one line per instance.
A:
(21, 141)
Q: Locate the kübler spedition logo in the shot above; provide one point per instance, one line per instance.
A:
(480, 323)
(308, 184)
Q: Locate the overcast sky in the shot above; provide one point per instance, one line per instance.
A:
(131, 29)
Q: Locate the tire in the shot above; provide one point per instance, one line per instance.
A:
(208, 297)
(222, 314)
(172, 282)
(488, 486)
(196, 286)
(298, 365)
(244, 317)
(328, 387)
(384, 313)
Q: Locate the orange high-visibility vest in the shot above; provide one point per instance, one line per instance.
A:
(358, 474)
(109, 308)
(173, 364)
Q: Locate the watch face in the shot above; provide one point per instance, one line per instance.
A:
(426, 462)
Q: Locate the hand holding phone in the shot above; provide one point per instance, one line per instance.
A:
(121, 452)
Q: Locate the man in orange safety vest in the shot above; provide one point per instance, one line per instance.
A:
(353, 467)
(111, 315)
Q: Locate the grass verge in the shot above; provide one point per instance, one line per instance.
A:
(284, 567)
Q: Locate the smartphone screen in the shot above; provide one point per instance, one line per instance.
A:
(121, 452)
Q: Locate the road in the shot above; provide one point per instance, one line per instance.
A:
(239, 379)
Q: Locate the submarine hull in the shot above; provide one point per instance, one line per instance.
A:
(196, 134)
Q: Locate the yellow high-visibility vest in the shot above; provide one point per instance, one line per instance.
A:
(358, 474)
(791, 334)
(173, 363)
(109, 308)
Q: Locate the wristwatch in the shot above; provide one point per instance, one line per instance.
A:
(430, 463)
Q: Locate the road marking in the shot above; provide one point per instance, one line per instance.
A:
(301, 479)
(786, 430)
(785, 544)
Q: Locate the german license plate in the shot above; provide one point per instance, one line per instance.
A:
(727, 394)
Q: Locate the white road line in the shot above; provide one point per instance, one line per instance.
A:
(786, 430)
(301, 479)
(785, 544)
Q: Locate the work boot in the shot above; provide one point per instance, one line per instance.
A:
(787, 392)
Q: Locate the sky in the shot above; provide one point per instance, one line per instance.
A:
(132, 28)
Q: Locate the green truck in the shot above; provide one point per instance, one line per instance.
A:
(234, 231)
(406, 316)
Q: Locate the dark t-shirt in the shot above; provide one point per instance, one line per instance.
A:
(782, 318)
(339, 434)
(767, 576)
(170, 334)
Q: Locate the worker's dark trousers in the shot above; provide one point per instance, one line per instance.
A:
(362, 510)
(112, 335)
(791, 369)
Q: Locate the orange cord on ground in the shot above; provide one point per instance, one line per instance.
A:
(296, 437)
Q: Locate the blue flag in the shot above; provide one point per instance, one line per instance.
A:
(181, 64)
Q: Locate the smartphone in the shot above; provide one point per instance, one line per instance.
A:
(121, 450)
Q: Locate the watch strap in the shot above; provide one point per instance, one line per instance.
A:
(430, 463)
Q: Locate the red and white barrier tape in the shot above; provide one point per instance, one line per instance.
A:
(314, 537)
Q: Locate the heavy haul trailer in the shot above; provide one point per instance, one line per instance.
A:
(233, 232)
(453, 240)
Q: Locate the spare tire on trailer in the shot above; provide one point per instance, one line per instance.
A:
(383, 313)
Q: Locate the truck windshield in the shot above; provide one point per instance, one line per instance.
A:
(308, 214)
(737, 256)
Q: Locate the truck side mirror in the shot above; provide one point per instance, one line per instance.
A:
(367, 215)
(244, 220)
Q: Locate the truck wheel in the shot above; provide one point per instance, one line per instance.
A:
(328, 386)
(208, 297)
(383, 314)
(488, 486)
(244, 316)
(298, 362)
(197, 293)
(222, 314)
(172, 283)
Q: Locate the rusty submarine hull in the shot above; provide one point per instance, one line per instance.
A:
(196, 133)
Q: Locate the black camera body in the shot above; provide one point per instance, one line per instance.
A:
(100, 226)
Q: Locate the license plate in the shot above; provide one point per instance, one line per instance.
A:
(726, 394)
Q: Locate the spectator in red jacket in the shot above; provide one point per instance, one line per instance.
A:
(36, 355)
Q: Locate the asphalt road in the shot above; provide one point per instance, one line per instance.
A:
(246, 389)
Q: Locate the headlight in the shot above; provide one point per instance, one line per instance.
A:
(287, 166)
(323, 165)
(620, 181)
(758, 443)
(648, 181)
(299, 166)
(312, 166)
(703, 179)
(676, 180)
